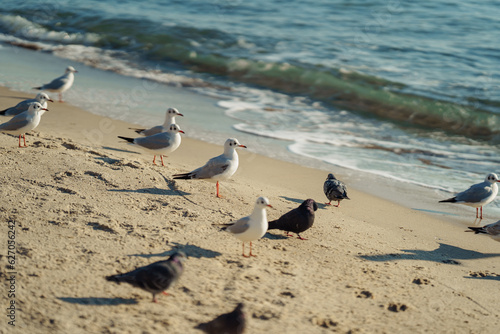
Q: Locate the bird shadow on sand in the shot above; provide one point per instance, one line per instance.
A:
(300, 201)
(152, 191)
(491, 277)
(190, 250)
(444, 253)
(109, 148)
(273, 236)
(98, 301)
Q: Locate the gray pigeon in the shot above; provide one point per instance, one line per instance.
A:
(335, 190)
(297, 220)
(228, 323)
(154, 278)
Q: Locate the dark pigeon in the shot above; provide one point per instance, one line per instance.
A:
(335, 190)
(228, 323)
(154, 278)
(297, 220)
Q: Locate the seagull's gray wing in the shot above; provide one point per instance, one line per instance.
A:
(475, 193)
(16, 122)
(56, 83)
(214, 166)
(493, 229)
(152, 131)
(239, 226)
(154, 142)
(18, 108)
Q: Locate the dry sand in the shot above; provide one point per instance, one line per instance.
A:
(86, 205)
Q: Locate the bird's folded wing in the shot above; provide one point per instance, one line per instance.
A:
(56, 83)
(493, 229)
(15, 123)
(154, 142)
(476, 193)
(239, 226)
(214, 166)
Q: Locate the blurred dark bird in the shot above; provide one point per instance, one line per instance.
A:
(297, 220)
(154, 278)
(229, 323)
(493, 230)
(335, 190)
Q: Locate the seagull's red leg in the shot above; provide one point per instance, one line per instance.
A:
(477, 212)
(217, 186)
(24, 138)
(251, 250)
(20, 141)
(481, 213)
(154, 160)
(244, 250)
(161, 157)
(60, 97)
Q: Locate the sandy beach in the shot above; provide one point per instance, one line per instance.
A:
(85, 205)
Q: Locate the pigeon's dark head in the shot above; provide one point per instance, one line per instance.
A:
(331, 177)
(311, 204)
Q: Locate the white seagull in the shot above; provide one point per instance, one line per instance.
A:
(160, 143)
(478, 195)
(169, 119)
(252, 227)
(61, 84)
(493, 230)
(24, 122)
(22, 106)
(217, 169)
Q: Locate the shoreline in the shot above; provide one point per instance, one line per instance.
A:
(87, 206)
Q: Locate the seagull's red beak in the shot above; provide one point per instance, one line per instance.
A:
(180, 115)
(242, 146)
(45, 109)
(269, 205)
(182, 131)
(50, 100)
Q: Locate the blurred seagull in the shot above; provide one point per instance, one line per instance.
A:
(478, 195)
(297, 220)
(61, 84)
(24, 122)
(229, 323)
(154, 278)
(493, 230)
(253, 227)
(169, 119)
(159, 144)
(219, 168)
(22, 106)
(335, 190)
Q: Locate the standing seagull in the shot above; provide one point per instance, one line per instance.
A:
(335, 190)
(159, 144)
(219, 168)
(229, 323)
(297, 220)
(478, 195)
(61, 84)
(156, 277)
(24, 122)
(22, 106)
(252, 227)
(492, 229)
(169, 119)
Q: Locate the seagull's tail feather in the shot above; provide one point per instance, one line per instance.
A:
(477, 230)
(130, 140)
(39, 88)
(183, 176)
(3, 112)
(137, 130)
(449, 200)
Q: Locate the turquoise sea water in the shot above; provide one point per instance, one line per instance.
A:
(403, 90)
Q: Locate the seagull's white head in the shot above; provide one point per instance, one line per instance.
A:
(232, 143)
(172, 112)
(71, 69)
(42, 97)
(262, 202)
(36, 108)
(174, 128)
(492, 178)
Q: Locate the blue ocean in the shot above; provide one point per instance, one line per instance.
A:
(405, 91)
